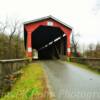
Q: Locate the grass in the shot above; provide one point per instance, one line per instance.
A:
(93, 69)
(30, 86)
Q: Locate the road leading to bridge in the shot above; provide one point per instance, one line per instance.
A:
(71, 82)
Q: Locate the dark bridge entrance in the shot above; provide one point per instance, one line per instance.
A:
(49, 36)
(50, 42)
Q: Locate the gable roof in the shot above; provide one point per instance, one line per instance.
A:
(47, 17)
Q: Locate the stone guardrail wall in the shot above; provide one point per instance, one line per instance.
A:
(12, 65)
(88, 61)
(8, 68)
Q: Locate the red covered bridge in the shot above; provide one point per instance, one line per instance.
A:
(49, 36)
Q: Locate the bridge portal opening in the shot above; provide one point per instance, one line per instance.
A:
(48, 36)
(50, 42)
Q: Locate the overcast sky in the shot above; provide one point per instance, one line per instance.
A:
(82, 15)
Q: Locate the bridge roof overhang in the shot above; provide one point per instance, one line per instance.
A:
(48, 18)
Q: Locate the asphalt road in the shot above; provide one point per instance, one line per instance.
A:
(70, 82)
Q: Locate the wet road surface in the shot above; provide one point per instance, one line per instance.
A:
(70, 82)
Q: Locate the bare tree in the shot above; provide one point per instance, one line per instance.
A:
(19, 31)
(11, 43)
(12, 31)
(75, 43)
(3, 26)
(97, 50)
(93, 50)
(98, 47)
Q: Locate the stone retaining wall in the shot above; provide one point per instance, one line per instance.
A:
(88, 61)
(10, 69)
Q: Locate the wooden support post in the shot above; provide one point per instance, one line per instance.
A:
(68, 46)
(29, 44)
